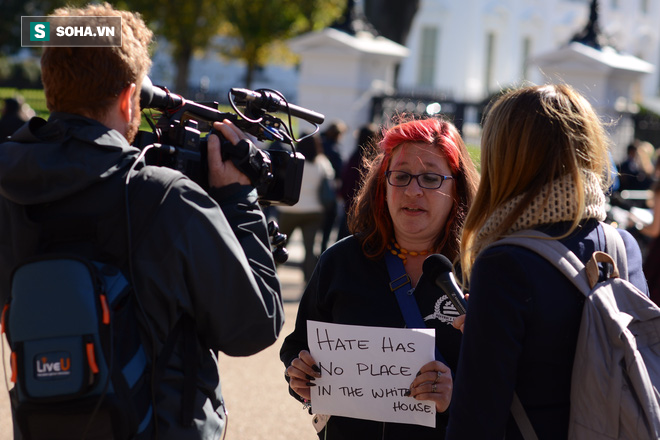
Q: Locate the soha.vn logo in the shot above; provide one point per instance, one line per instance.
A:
(53, 365)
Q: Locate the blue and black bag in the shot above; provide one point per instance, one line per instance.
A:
(80, 371)
(82, 357)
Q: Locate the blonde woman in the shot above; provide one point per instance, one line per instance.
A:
(544, 164)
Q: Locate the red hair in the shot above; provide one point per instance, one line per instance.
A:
(370, 219)
(88, 80)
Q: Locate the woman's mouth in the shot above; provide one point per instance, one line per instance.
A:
(412, 210)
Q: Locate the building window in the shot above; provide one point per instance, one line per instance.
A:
(645, 6)
(526, 50)
(427, 56)
(615, 4)
(490, 59)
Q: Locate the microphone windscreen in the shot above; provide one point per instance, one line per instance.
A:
(436, 264)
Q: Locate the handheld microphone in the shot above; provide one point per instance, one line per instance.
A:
(439, 269)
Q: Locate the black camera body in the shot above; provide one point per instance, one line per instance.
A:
(177, 141)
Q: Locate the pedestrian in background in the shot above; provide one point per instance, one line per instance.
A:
(15, 113)
(331, 139)
(636, 171)
(352, 173)
(308, 213)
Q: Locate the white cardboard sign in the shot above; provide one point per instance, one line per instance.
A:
(365, 371)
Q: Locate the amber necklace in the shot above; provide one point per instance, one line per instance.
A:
(403, 253)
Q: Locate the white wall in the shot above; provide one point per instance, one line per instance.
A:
(463, 27)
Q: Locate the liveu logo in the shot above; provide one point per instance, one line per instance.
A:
(53, 365)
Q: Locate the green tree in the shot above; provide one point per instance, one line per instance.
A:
(10, 19)
(20, 74)
(187, 26)
(256, 29)
(251, 28)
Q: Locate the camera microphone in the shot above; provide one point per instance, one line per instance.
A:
(439, 269)
(271, 102)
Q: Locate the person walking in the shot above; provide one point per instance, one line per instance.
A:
(308, 213)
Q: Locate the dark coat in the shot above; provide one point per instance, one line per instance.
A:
(520, 335)
(348, 288)
(194, 254)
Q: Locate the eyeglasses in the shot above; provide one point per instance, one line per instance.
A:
(424, 180)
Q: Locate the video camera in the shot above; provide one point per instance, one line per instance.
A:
(176, 140)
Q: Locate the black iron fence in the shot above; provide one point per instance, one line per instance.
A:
(383, 108)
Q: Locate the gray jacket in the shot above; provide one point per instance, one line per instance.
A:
(193, 253)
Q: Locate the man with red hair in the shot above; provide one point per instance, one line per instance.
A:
(193, 256)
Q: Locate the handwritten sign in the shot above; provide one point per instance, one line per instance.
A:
(366, 371)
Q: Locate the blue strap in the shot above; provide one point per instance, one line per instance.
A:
(402, 287)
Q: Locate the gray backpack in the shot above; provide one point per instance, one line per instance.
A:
(616, 371)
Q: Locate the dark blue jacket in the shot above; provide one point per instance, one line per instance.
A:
(520, 335)
(200, 254)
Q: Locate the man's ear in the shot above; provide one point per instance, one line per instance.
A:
(126, 98)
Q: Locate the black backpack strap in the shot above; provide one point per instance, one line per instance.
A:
(147, 189)
(185, 330)
(616, 248)
(189, 370)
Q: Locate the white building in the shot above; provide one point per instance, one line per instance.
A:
(467, 50)
(471, 48)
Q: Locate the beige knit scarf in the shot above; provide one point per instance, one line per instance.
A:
(555, 203)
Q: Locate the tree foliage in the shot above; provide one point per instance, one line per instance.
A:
(10, 19)
(188, 26)
(254, 28)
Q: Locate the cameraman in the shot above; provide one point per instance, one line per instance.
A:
(195, 257)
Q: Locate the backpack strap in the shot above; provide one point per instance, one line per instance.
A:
(402, 287)
(616, 248)
(152, 189)
(553, 251)
(184, 330)
(523, 422)
(568, 264)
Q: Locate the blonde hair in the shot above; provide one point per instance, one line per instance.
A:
(531, 137)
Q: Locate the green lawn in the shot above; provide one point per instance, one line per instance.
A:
(34, 97)
(475, 154)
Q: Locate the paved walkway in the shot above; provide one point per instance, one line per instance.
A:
(254, 388)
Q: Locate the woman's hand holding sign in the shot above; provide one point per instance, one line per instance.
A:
(433, 382)
(301, 373)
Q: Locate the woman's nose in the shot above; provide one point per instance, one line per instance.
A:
(413, 188)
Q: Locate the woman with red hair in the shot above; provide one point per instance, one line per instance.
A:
(412, 202)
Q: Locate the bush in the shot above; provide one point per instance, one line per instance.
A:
(33, 97)
(23, 74)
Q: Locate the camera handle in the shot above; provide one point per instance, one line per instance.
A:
(256, 165)
(249, 159)
(280, 254)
